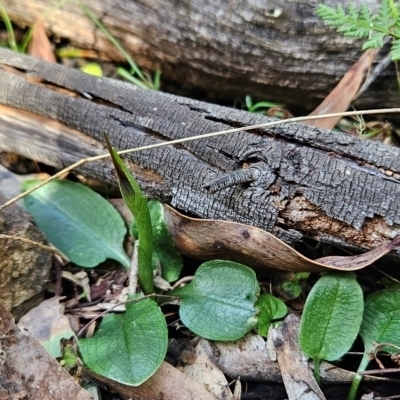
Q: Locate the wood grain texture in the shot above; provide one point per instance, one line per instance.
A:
(273, 50)
(327, 185)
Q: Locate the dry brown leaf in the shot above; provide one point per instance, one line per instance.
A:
(298, 379)
(40, 46)
(248, 357)
(210, 239)
(48, 324)
(341, 96)
(167, 383)
(28, 371)
(202, 370)
(251, 358)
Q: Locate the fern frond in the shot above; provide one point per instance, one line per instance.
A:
(394, 9)
(360, 23)
(365, 14)
(375, 41)
(354, 24)
(395, 51)
(385, 17)
(396, 31)
(330, 15)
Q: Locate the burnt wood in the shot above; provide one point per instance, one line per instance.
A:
(316, 183)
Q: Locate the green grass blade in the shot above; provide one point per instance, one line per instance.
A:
(129, 77)
(114, 41)
(10, 30)
(157, 80)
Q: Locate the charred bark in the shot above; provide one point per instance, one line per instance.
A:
(276, 50)
(310, 182)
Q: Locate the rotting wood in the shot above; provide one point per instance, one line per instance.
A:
(320, 184)
(278, 50)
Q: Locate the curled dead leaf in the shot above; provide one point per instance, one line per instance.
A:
(342, 95)
(211, 239)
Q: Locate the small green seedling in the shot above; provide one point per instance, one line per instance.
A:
(218, 304)
(135, 75)
(271, 309)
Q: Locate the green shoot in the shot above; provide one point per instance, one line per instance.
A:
(137, 204)
(140, 79)
(261, 106)
(10, 30)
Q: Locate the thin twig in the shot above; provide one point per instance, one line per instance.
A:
(79, 334)
(197, 137)
(379, 371)
(133, 271)
(182, 280)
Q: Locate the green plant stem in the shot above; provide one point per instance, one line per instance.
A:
(357, 379)
(317, 376)
(397, 74)
(26, 40)
(376, 29)
(10, 31)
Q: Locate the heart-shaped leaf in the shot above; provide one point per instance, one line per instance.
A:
(130, 347)
(271, 308)
(331, 318)
(219, 302)
(78, 221)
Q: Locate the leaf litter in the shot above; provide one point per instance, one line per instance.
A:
(211, 239)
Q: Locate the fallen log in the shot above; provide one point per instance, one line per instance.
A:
(302, 181)
(279, 51)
